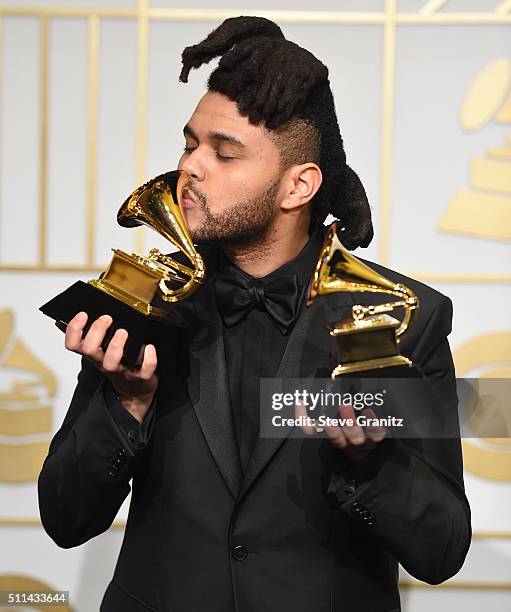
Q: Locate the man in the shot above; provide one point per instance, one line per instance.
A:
(220, 518)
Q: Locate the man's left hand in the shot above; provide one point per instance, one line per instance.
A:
(356, 441)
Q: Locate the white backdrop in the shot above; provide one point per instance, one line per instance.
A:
(91, 106)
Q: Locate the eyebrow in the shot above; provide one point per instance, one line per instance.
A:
(221, 136)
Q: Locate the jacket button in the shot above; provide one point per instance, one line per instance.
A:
(240, 553)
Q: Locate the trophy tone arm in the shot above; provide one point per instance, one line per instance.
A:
(409, 303)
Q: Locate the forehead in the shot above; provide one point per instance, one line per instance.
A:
(218, 113)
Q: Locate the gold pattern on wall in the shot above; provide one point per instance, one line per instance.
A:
(488, 458)
(26, 387)
(484, 210)
(10, 583)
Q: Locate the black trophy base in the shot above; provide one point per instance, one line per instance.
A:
(142, 329)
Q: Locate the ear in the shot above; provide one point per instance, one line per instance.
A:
(300, 185)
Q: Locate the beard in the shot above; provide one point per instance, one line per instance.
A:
(244, 222)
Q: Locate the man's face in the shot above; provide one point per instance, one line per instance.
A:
(234, 167)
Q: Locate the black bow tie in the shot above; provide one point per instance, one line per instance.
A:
(236, 296)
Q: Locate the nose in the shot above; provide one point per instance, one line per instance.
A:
(193, 164)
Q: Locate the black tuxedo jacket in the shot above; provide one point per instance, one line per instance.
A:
(298, 532)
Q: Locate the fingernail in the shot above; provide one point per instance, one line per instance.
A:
(105, 317)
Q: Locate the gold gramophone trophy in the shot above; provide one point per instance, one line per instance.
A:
(369, 340)
(134, 289)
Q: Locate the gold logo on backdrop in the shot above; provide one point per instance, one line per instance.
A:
(26, 386)
(485, 208)
(486, 457)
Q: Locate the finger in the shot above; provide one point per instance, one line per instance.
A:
(149, 363)
(336, 435)
(354, 433)
(376, 433)
(91, 345)
(74, 331)
(301, 411)
(114, 351)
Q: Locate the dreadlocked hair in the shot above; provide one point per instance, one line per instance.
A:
(279, 84)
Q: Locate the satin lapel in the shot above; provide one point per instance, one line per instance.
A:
(310, 353)
(208, 388)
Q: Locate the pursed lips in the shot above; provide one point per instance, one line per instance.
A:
(188, 199)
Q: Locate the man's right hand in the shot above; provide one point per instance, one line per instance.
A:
(134, 387)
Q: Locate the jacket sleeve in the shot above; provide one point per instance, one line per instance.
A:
(91, 459)
(409, 493)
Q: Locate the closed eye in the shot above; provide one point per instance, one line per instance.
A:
(220, 157)
(223, 157)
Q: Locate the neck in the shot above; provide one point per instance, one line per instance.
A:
(279, 245)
